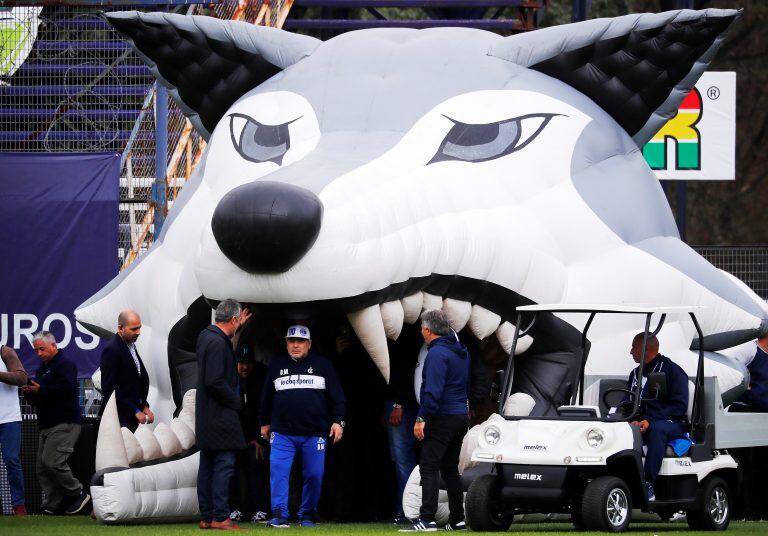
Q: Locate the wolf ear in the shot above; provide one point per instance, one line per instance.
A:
(638, 68)
(209, 63)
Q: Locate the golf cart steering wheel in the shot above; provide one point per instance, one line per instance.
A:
(625, 407)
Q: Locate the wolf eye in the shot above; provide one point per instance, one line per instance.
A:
(488, 141)
(257, 142)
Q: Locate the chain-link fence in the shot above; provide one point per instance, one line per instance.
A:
(748, 263)
(70, 83)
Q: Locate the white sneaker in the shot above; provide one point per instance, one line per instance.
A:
(259, 517)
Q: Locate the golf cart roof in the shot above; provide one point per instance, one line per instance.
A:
(609, 308)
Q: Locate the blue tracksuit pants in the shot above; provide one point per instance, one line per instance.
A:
(283, 451)
(657, 436)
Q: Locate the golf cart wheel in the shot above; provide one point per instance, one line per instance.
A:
(484, 508)
(713, 506)
(606, 505)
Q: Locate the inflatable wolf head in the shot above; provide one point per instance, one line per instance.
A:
(387, 171)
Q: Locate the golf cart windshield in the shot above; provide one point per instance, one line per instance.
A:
(524, 371)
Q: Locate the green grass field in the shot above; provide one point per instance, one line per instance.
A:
(77, 526)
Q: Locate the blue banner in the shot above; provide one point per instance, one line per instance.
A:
(59, 229)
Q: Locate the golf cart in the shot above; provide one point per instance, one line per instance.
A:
(587, 459)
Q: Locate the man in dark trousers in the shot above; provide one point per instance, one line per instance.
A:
(123, 373)
(660, 421)
(217, 424)
(302, 404)
(442, 421)
(250, 485)
(53, 391)
(400, 411)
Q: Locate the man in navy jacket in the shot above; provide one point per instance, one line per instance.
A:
(302, 403)
(660, 420)
(442, 420)
(53, 391)
(756, 397)
(123, 373)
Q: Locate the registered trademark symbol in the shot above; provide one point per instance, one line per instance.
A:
(713, 93)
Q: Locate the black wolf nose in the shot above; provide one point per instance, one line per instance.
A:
(267, 226)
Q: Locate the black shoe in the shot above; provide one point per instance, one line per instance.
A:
(461, 525)
(421, 526)
(78, 504)
(48, 511)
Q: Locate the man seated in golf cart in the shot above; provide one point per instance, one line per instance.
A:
(660, 419)
(755, 399)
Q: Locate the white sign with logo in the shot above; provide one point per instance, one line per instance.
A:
(699, 143)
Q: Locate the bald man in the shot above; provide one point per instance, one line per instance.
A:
(123, 372)
(661, 420)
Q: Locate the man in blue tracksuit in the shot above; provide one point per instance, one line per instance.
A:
(660, 421)
(442, 421)
(302, 403)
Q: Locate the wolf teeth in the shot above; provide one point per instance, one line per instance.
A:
(483, 322)
(369, 328)
(169, 443)
(132, 447)
(431, 301)
(392, 315)
(110, 449)
(412, 307)
(150, 445)
(506, 334)
(457, 312)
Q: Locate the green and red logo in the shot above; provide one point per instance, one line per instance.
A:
(681, 130)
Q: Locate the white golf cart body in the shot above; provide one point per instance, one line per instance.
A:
(548, 464)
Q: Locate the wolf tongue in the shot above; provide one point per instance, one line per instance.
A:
(369, 327)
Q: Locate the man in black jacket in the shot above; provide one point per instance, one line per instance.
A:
(217, 423)
(53, 391)
(250, 486)
(123, 372)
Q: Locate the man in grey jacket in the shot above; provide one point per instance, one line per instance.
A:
(217, 423)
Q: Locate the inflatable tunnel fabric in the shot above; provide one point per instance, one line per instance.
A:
(561, 208)
(447, 168)
(158, 493)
